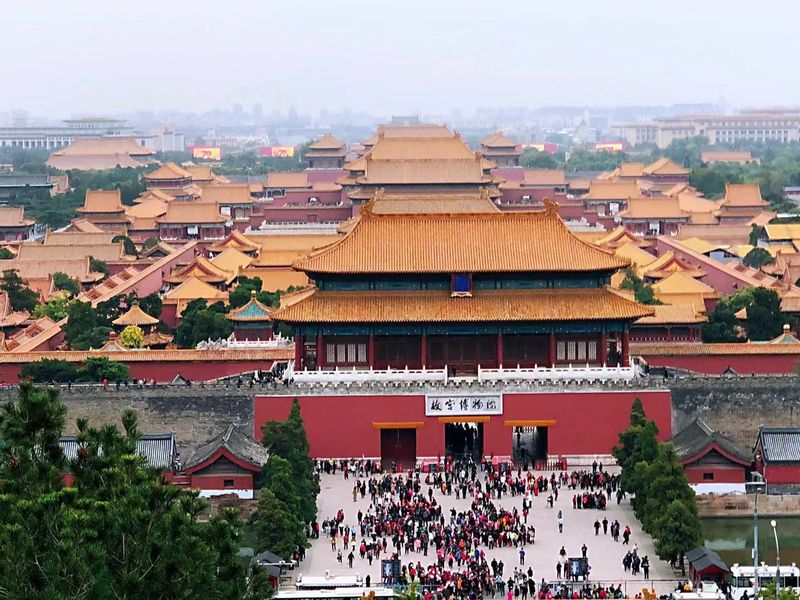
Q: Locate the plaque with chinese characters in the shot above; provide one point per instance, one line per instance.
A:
(444, 406)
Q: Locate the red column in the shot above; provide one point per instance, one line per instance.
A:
(423, 350)
(500, 357)
(604, 349)
(320, 351)
(298, 352)
(551, 350)
(371, 350)
(625, 348)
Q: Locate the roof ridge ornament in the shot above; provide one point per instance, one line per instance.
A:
(550, 207)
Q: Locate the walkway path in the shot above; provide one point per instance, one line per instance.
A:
(605, 555)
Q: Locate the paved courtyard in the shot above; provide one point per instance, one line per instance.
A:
(605, 555)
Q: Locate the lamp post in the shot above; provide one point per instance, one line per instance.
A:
(777, 561)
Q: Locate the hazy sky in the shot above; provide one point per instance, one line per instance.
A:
(62, 57)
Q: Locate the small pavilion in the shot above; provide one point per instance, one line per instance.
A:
(252, 321)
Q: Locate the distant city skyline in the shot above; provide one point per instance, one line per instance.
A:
(385, 58)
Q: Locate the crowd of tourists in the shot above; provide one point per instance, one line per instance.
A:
(404, 517)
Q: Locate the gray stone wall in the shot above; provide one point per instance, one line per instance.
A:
(735, 407)
(193, 413)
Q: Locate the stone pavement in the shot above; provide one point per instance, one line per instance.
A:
(605, 555)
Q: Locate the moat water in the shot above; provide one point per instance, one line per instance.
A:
(732, 539)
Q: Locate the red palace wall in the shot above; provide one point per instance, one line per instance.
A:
(585, 422)
(217, 482)
(743, 364)
(166, 370)
(782, 474)
(721, 474)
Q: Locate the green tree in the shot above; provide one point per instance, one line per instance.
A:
(642, 292)
(664, 482)
(288, 439)
(769, 592)
(20, 295)
(98, 266)
(757, 258)
(277, 528)
(127, 243)
(764, 318)
(132, 336)
(55, 308)
(756, 232)
(677, 530)
(533, 159)
(200, 322)
(120, 531)
(49, 370)
(722, 325)
(62, 281)
(637, 443)
(98, 368)
(711, 181)
(83, 331)
(151, 304)
(6, 254)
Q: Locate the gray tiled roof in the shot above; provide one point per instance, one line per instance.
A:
(780, 445)
(158, 449)
(236, 442)
(697, 435)
(13, 181)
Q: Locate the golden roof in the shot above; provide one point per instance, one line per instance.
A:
(696, 204)
(227, 193)
(620, 236)
(237, 240)
(612, 190)
(421, 306)
(664, 166)
(154, 194)
(102, 201)
(104, 252)
(631, 169)
(682, 283)
(203, 269)
(673, 314)
(78, 238)
(83, 226)
(498, 140)
(290, 179)
(135, 316)
(182, 213)
(156, 356)
(668, 263)
(14, 216)
(665, 207)
(742, 195)
(433, 203)
(192, 289)
(734, 156)
(327, 142)
(422, 171)
(460, 243)
(232, 260)
(101, 153)
(148, 209)
(634, 254)
(168, 171)
(531, 177)
(783, 231)
(203, 173)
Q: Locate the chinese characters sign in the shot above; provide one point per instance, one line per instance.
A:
(444, 406)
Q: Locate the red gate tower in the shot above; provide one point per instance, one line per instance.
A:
(485, 333)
